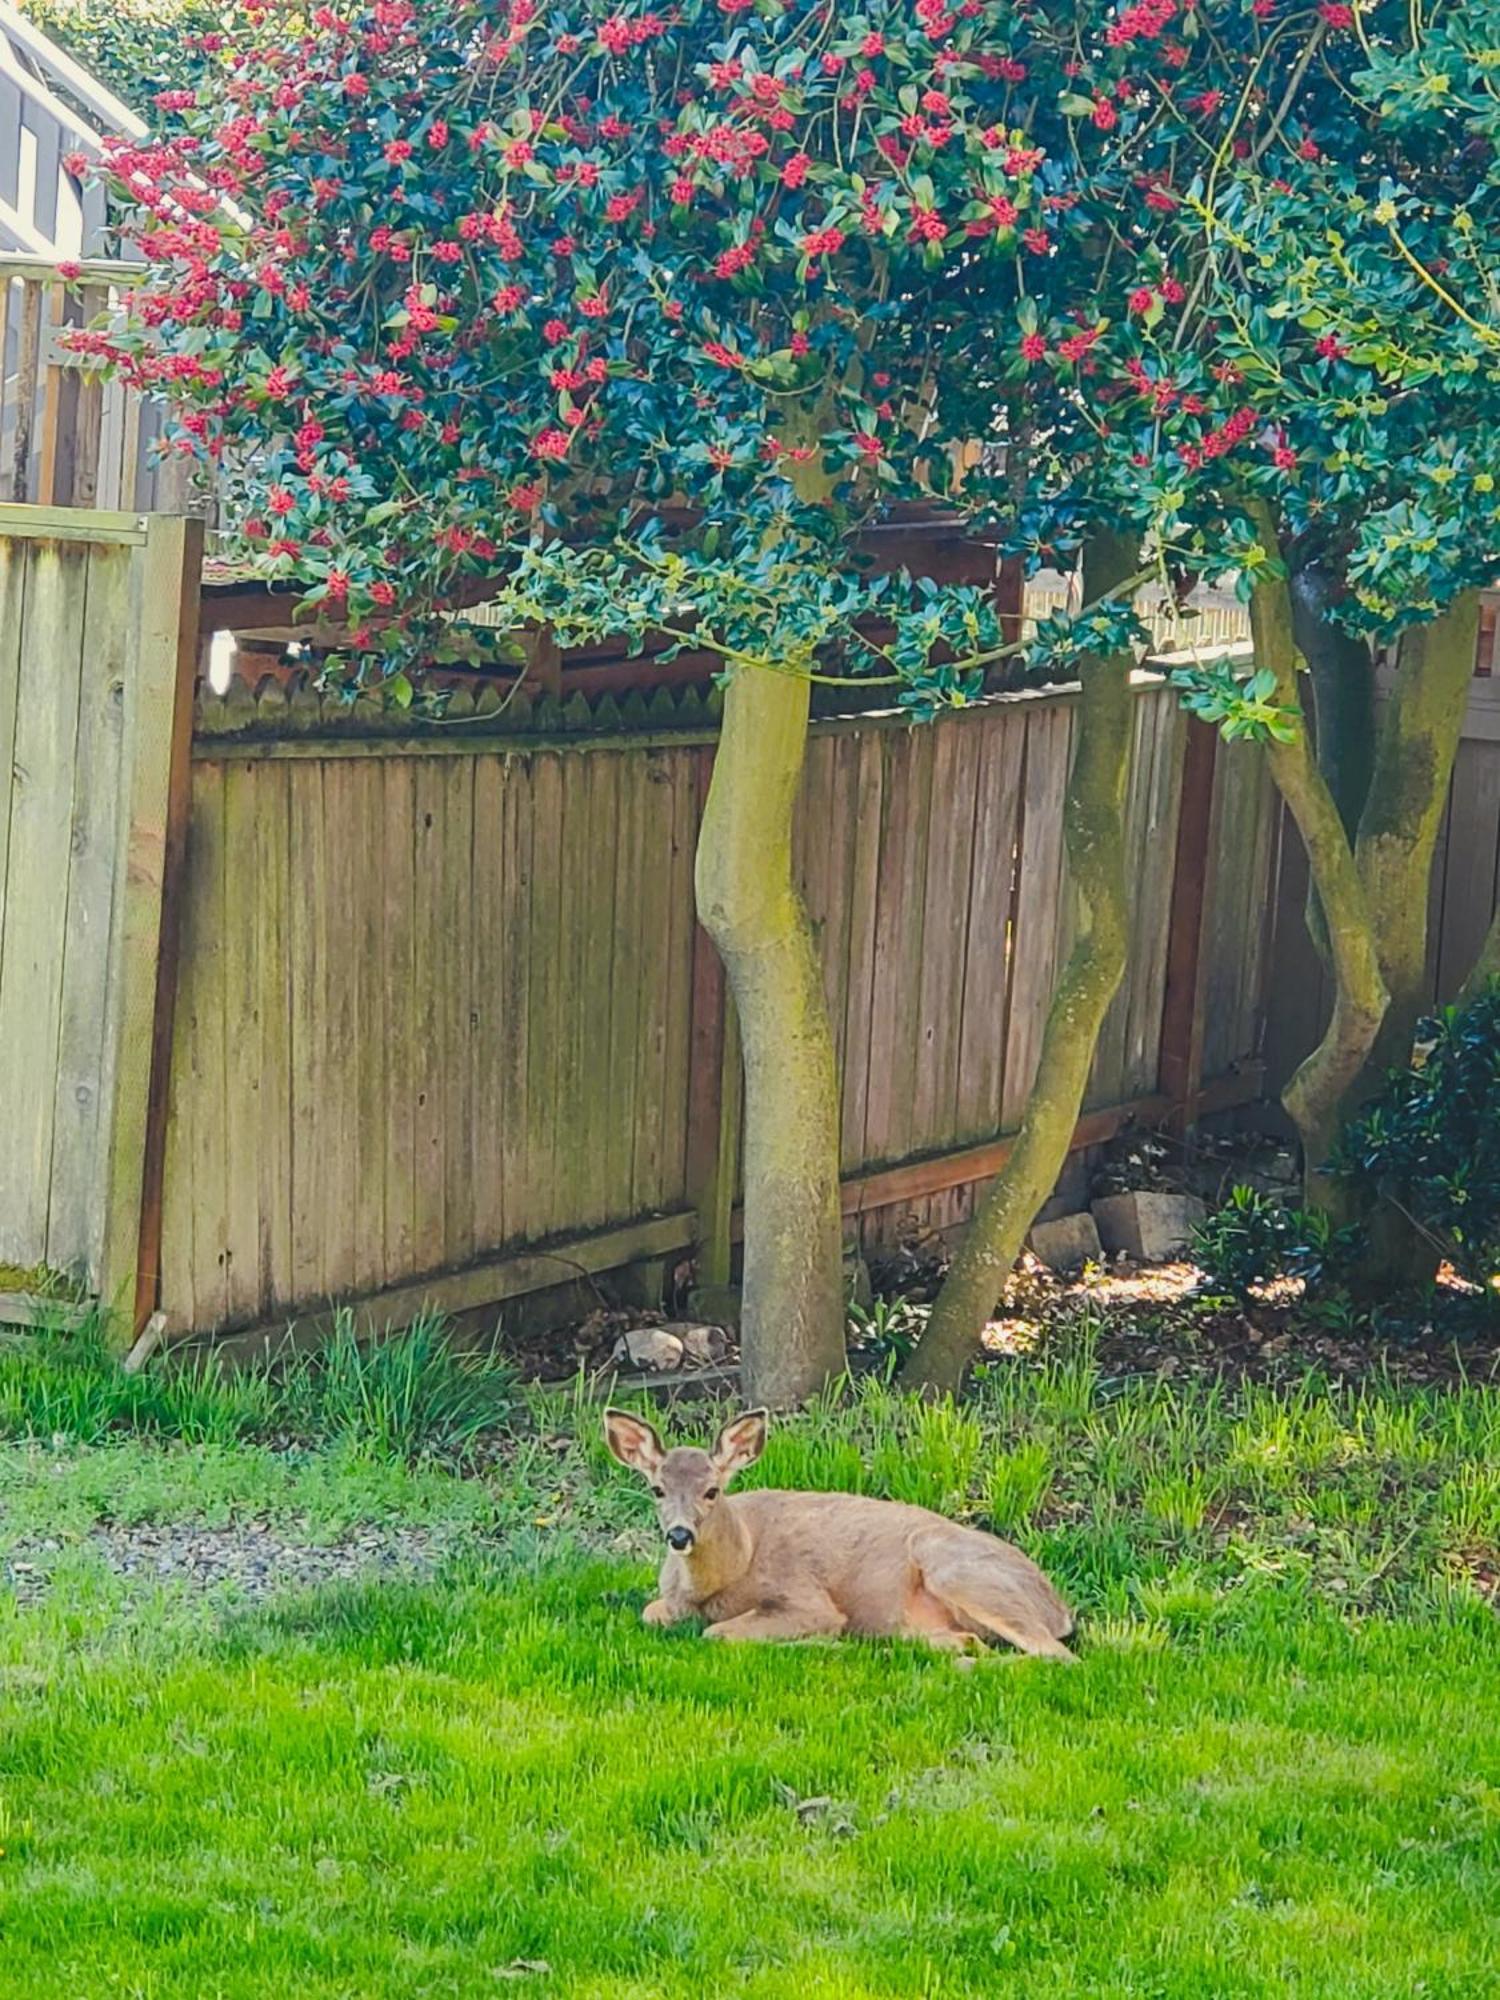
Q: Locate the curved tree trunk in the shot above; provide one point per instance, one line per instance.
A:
(1095, 833)
(1315, 1094)
(1341, 669)
(1404, 808)
(792, 1323)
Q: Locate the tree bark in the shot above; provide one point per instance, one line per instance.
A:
(792, 1318)
(1094, 827)
(1403, 810)
(1341, 668)
(1315, 1094)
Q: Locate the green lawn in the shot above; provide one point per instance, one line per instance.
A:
(1277, 1769)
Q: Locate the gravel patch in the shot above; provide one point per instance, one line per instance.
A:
(248, 1562)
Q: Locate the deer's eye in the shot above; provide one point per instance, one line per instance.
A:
(660, 1492)
(712, 1493)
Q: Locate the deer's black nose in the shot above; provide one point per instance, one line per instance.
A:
(679, 1538)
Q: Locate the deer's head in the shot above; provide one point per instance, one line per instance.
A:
(688, 1483)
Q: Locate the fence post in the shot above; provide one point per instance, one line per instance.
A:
(157, 796)
(1180, 1057)
(1010, 598)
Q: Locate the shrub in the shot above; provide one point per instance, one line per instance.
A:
(1430, 1142)
(1255, 1239)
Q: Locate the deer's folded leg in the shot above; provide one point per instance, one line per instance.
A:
(666, 1611)
(810, 1619)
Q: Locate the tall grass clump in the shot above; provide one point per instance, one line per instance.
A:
(405, 1396)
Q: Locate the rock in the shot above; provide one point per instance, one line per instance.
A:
(1068, 1243)
(651, 1347)
(1147, 1226)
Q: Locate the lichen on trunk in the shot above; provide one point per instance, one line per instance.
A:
(1094, 827)
(792, 1323)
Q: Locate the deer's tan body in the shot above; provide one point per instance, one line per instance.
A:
(785, 1565)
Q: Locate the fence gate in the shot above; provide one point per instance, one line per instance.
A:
(98, 647)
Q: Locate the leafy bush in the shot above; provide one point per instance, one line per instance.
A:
(1254, 1239)
(888, 1327)
(1430, 1142)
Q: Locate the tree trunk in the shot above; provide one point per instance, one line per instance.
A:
(1315, 1094)
(792, 1323)
(1341, 669)
(1094, 826)
(1398, 828)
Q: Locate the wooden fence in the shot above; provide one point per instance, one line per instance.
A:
(1208, 621)
(68, 436)
(1464, 897)
(445, 1028)
(96, 663)
(443, 1002)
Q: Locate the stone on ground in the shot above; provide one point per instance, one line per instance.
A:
(1067, 1243)
(1149, 1225)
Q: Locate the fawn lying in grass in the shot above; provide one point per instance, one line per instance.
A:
(774, 1565)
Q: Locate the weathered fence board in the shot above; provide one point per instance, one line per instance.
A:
(95, 706)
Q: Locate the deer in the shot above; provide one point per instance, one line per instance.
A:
(774, 1564)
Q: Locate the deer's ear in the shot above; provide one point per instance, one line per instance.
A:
(740, 1443)
(633, 1442)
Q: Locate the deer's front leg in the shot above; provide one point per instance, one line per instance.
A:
(666, 1611)
(673, 1603)
(815, 1619)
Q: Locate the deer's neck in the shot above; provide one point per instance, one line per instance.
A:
(721, 1554)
